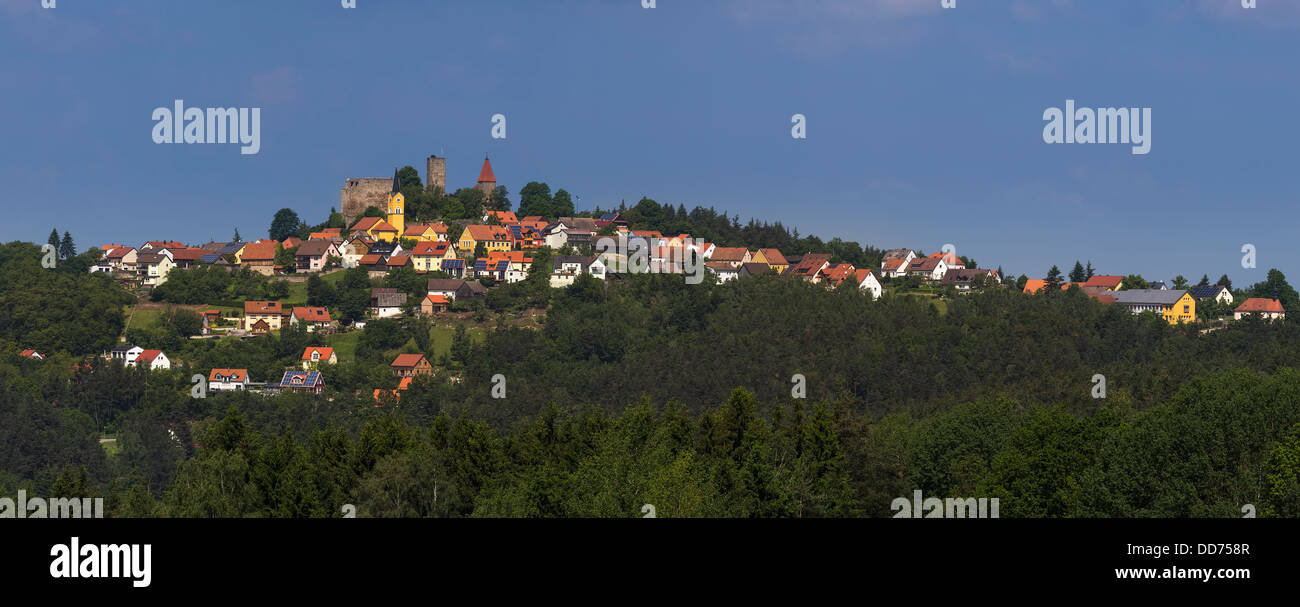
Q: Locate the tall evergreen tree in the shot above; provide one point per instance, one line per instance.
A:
(67, 249)
(1089, 270)
(1078, 274)
(54, 239)
(1225, 281)
(1205, 281)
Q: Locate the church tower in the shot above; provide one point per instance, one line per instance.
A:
(395, 203)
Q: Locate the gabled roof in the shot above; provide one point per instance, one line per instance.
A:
(398, 261)
(148, 356)
(445, 284)
(1109, 282)
(315, 248)
(372, 224)
(187, 254)
(1149, 296)
(300, 379)
(406, 361)
(324, 351)
(892, 264)
(435, 249)
(838, 272)
(371, 259)
(927, 264)
(311, 314)
(774, 257)
(224, 375)
(729, 254)
(437, 299)
(259, 251)
(120, 252)
(504, 216)
(1260, 305)
(488, 233)
(263, 307)
(1207, 291)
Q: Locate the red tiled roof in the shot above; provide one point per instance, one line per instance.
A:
(728, 254)
(407, 360)
(486, 173)
(311, 314)
(1260, 304)
(371, 259)
(231, 374)
(263, 307)
(1109, 282)
(436, 249)
(258, 251)
(325, 352)
(148, 356)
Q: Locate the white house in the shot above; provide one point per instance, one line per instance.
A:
(228, 380)
(868, 282)
(152, 360)
(126, 354)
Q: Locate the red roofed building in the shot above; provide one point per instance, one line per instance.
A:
(228, 380)
(314, 318)
(32, 354)
(152, 360)
(1110, 283)
(271, 312)
(411, 365)
(432, 304)
(487, 181)
(1266, 308)
(314, 356)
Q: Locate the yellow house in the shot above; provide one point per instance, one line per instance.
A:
(1175, 306)
(376, 228)
(771, 257)
(494, 238)
(422, 232)
(428, 256)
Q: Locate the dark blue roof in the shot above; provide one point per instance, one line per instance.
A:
(453, 264)
(1204, 292)
(609, 217)
(209, 258)
(480, 264)
(516, 229)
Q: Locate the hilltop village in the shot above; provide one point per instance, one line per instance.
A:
(414, 251)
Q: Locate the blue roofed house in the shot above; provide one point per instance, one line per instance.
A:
(1218, 293)
(302, 381)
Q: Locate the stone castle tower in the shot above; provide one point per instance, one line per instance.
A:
(435, 173)
(360, 193)
(487, 182)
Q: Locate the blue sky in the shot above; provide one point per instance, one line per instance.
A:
(924, 124)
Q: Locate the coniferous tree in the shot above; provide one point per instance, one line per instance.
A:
(1089, 271)
(1078, 274)
(67, 249)
(54, 239)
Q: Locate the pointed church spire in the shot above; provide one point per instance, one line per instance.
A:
(395, 188)
(485, 175)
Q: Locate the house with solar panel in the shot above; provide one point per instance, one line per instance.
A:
(302, 381)
(1217, 293)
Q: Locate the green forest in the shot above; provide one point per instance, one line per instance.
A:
(652, 391)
